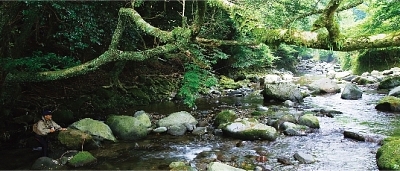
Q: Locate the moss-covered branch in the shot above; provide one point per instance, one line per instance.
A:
(217, 42)
(105, 58)
(164, 36)
(327, 20)
(346, 7)
(321, 41)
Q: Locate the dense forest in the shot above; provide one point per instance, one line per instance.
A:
(91, 57)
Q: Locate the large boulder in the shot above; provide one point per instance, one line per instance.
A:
(282, 91)
(249, 129)
(351, 92)
(389, 103)
(178, 123)
(95, 128)
(309, 120)
(389, 82)
(129, 127)
(388, 155)
(224, 116)
(75, 139)
(324, 85)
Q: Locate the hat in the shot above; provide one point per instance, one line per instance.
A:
(46, 112)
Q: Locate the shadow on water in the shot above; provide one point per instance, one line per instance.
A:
(331, 150)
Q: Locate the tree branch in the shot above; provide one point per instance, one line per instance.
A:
(343, 8)
(107, 57)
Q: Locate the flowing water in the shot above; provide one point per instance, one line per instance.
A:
(328, 145)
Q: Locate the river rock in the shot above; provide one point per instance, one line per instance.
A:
(304, 158)
(388, 155)
(353, 135)
(94, 128)
(282, 91)
(224, 116)
(177, 118)
(389, 82)
(217, 166)
(249, 129)
(74, 139)
(177, 130)
(388, 103)
(395, 92)
(83, 158)
(46, 163)
(128, 127)
(309, 120)
(324, 85)
(351, 92)
(293, 129)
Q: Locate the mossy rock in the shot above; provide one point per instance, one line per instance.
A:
(388, 156)
(74, 139)
(309, 120)
(389, 82)
(228, 83)
(388, 103)
(224, 117)
(83, 158)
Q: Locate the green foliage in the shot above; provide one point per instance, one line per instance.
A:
(384, 18)
(376, 59)
(287, 57)
(38, 62)
(195, 80)
(347, 60)
(257, 56)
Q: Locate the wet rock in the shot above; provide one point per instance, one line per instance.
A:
(217, 166)
(288, 103)
(389, 82)
(309, 120)
(177, 130)
(128, 127)
(284, 160)
(304, 158)
(281, 92)
(351, 92)
(388, 103)
(95, 128)
(324, 85)
(292, 129)
(160, 129)
(249, 129)
(83, 158)
(225, 116)
(261, 108)
(75, 139)
(177, 118)
(353, 135)
(46, 163)
(395, 92)
(199, 131)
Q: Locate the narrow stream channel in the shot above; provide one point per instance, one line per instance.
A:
(328, 145)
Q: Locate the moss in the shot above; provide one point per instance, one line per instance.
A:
(82, 158)
(228, 83)
(225, 117)
(389, 82)
(388, 103)
(388, 156)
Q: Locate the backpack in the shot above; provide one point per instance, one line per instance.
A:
(35, 128)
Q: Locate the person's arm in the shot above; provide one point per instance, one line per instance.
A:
(58, 127)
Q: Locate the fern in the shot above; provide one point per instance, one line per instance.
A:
(195, 81)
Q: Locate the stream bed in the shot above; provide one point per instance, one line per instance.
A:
(327, 145)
